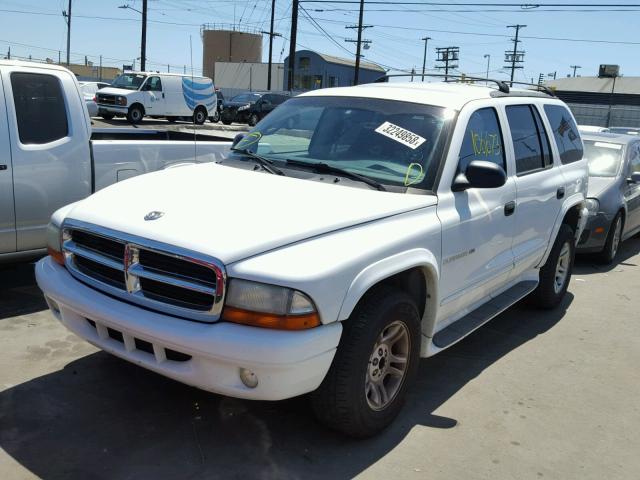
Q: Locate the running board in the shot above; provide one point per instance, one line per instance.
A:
(481, 315)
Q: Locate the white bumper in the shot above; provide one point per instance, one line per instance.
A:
(286, 363)
(112, 109)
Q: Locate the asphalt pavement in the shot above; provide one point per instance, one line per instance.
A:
(531, 395)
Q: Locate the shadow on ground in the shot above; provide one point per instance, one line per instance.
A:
(588, 264)
(19, 294)
(104, 418)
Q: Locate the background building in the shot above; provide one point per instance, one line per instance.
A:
(603, 101)
(234, 77)
(220, 45)
(315, 70)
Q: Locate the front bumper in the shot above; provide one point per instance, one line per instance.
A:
(207, 356)
(594, 235)
(104, 108)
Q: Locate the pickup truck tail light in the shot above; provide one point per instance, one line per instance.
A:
(269, 306)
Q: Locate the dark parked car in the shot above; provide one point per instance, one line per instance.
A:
(614, 192)
(250, 107)
(215, 118)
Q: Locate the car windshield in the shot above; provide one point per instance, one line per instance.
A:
(392, 142)
(246, 97)
(130, 81)
(604, 158)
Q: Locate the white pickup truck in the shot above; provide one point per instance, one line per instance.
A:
(48, 157)
(351, 232)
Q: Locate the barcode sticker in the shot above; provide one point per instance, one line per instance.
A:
(401, 135)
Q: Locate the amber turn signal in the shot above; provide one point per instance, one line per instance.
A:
(57, 257)
(270, 320)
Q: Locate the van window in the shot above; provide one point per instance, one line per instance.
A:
(482, 140)
(525, 134)
(565, 133)
(40, 109)
(154, 84)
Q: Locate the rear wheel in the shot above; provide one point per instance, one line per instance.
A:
(199, 115)
(614, 238)
(555, 275)
(215, 118)
(135, 114)
(376, 361)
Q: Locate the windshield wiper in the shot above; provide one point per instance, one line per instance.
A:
(321, 167)
(265, 163)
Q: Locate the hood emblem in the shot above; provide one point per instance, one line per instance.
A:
(155, 215)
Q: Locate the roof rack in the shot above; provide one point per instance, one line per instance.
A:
(539, 88)
(502, 86)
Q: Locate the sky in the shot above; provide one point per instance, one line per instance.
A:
(553, 39)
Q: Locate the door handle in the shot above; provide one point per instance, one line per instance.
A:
(509, 208)
(3, 167)
(560, 193)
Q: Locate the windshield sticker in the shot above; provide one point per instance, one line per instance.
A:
(412, 177)
(614, 146)
(401, 135)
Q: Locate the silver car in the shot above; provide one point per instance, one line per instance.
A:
(614, 192)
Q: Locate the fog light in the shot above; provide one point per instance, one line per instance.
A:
(249, 378)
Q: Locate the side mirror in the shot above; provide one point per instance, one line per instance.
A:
(480, 174)
(634, 178)
(237, 139)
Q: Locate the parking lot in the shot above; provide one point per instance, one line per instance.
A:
(208, 128)
(533, 394)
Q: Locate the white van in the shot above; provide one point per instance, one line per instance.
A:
(170, 95)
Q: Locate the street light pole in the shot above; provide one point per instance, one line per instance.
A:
(488, 57)
(424, 58)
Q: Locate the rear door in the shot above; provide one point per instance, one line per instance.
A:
(154, 97)
(50, 147)
(540, 185)
(7, 212)
(632, 190)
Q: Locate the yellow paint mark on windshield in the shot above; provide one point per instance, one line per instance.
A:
(410, 178)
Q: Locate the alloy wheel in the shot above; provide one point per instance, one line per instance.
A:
(562, 267)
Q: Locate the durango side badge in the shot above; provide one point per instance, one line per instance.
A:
(153, 215)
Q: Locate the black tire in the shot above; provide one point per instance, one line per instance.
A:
(171, 119)
(199, 115)
(611, 246)
(107, 116)
(548, 294)
(135, 114)
(341, 401)
(253, 120)
(226, 121)
(215, 118)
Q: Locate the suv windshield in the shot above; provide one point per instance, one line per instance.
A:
(395, 143)
(604, 158)
(130, 81)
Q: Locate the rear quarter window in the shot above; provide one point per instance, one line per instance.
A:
(565, 133)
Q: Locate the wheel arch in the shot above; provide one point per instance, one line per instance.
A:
(573, 213)
(138, 104)
(415, 272)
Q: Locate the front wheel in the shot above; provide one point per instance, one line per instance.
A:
(555, 274)
(376, 361)
(612, 244)
(107, 116)
(253, 120)
(135, 114)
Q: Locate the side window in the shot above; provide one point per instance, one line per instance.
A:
(40, 108)
(544, 138)
(565, 133)
(482, 140)
(634, 160)
(155, 85)
(527, 144)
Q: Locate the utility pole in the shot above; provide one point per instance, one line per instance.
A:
(292, 43)
(447, 56)
(424, 57)
(575, 67)
(143, 43)
(9, 53)
(488, 57)
(100, 71)
(359, 41)
(271, 34)
(541, 79)
(517, 56)
(67, 16)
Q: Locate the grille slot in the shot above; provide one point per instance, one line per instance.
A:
(106, 99)
(157, 276)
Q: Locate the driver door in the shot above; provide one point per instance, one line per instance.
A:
(477, 224)
(154, 97)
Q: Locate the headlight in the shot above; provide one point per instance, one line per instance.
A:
(269, 306)
(593, 205)
(54, 243)
(122, 101)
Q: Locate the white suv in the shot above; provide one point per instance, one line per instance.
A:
(353, 231)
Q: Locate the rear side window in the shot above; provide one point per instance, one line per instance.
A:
(40, 108)
(565, 133)
(544, 138)
(482, 140)
(527, 138)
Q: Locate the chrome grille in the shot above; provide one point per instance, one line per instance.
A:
(106, 99)
(145, 272)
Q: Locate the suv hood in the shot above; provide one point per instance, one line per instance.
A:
(232, 214)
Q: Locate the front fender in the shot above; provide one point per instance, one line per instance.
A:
(571, 202)
(389, 266)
